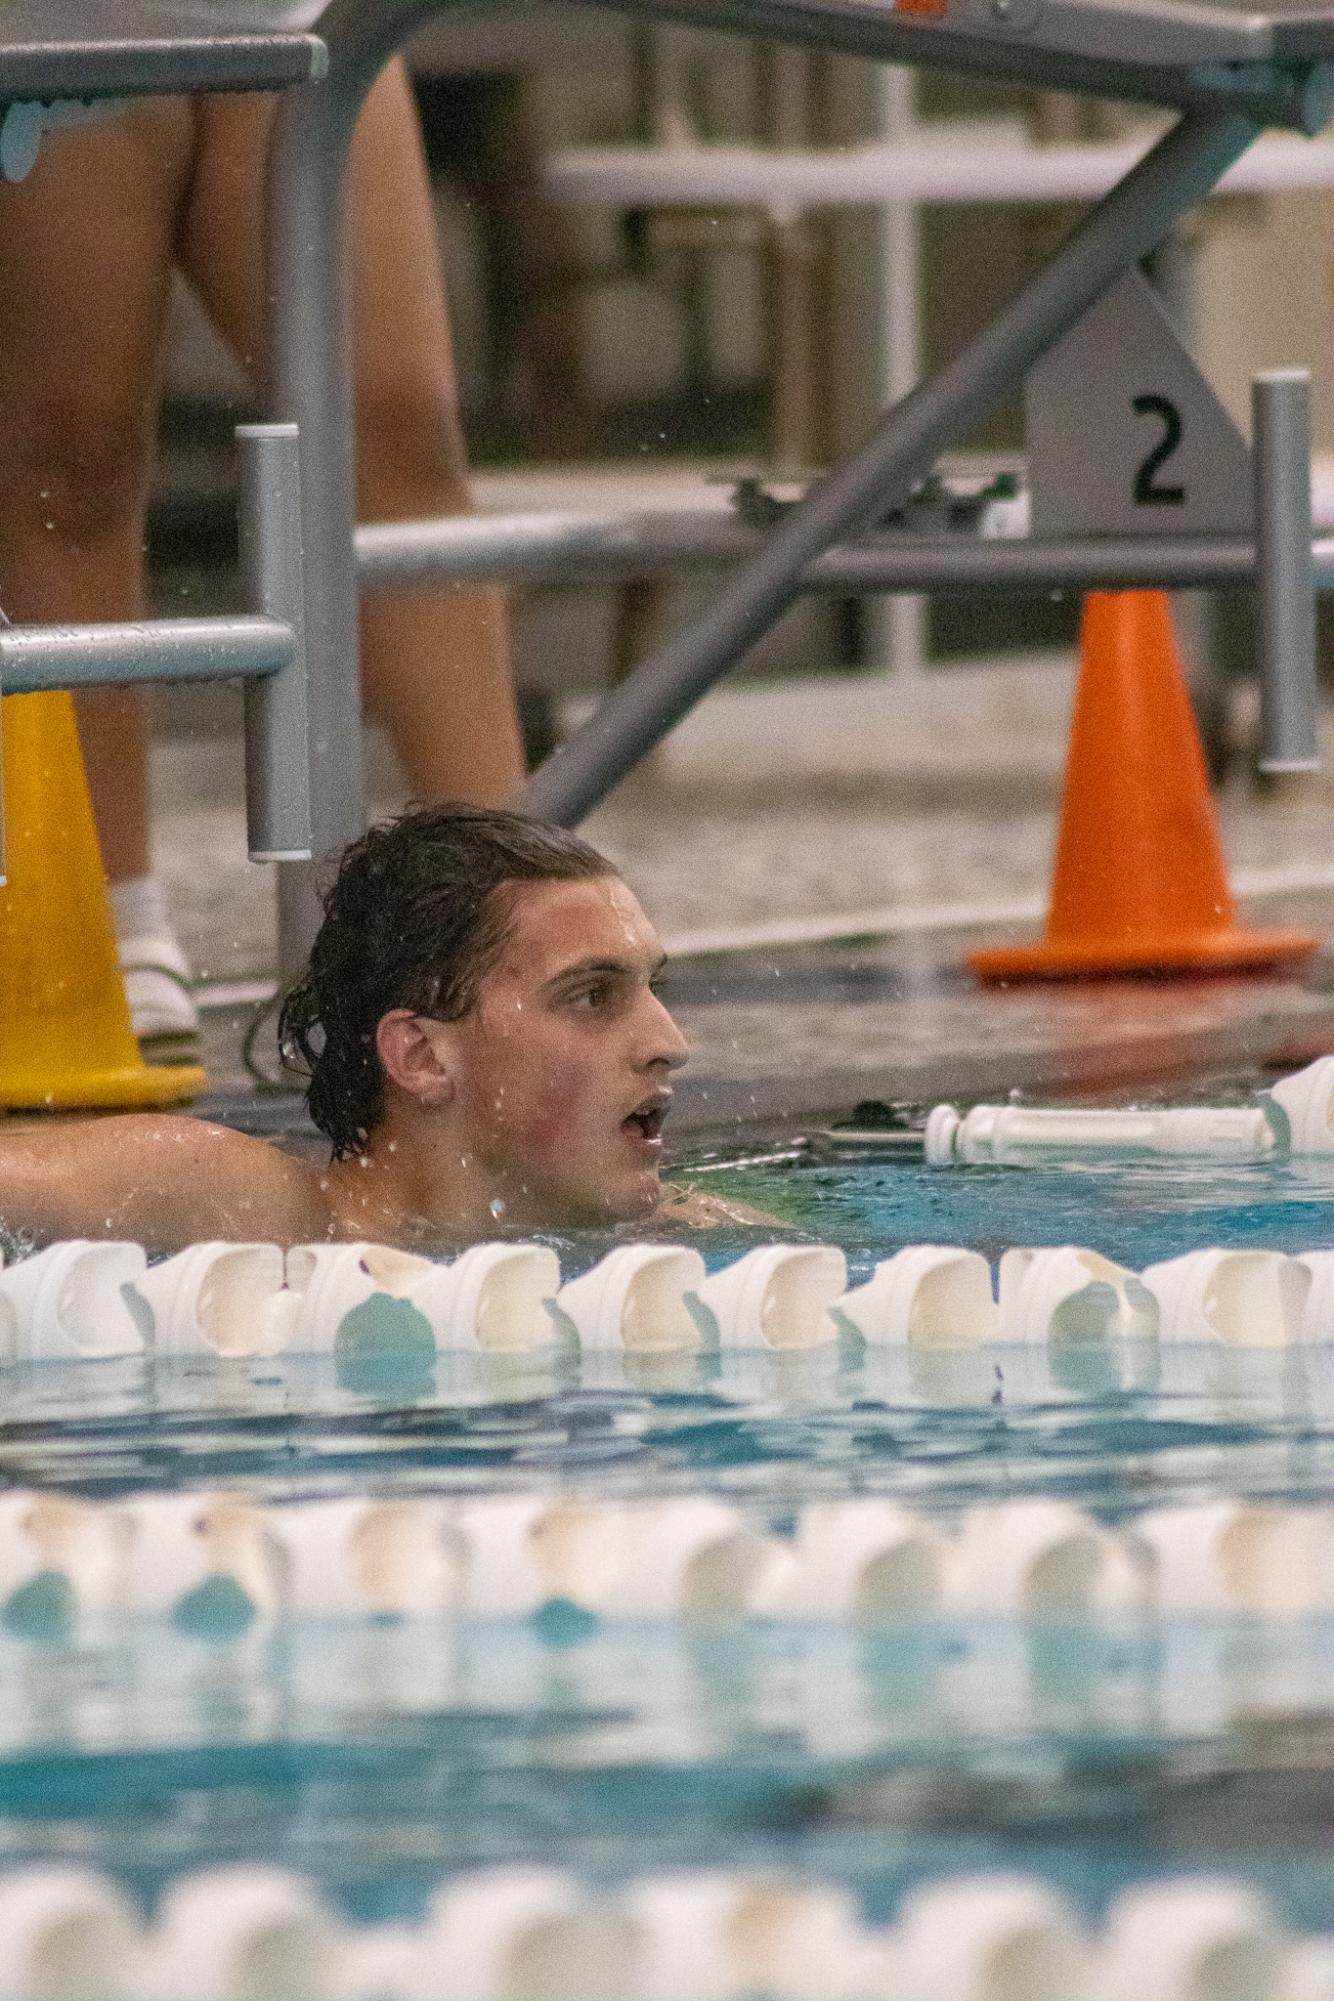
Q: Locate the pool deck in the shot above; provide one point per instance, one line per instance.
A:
(820, 857)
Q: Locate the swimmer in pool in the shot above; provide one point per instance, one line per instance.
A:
(487, 1054)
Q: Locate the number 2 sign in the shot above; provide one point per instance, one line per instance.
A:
(1149, 490)
(1125, 436)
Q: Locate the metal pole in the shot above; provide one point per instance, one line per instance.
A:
(957, 166)
(40, 659)
(568, 545)
(902, 627)
(34, 659)
(1126, 226)
(1285, 571)
(599, 549)
(311, 386)
(277, 727)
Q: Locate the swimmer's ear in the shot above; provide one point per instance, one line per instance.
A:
(412, 1058)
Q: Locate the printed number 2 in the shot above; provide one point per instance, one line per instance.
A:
(1149, 492)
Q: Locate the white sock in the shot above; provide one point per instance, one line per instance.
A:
(139, 908)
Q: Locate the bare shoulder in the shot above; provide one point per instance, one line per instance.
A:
(698, 1211)
(164, 1180)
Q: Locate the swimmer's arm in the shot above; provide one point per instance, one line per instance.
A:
(160, 1181)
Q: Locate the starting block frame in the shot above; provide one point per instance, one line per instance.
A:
(1228, 68)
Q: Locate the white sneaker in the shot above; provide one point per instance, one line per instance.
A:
(159, 988)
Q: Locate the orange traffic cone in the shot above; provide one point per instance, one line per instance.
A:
(65, 1035)
(1140, 885)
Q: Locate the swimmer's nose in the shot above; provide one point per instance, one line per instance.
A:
(667, 1044)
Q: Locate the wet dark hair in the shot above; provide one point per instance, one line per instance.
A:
(415, 917)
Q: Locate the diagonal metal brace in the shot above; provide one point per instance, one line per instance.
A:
(1124, 227)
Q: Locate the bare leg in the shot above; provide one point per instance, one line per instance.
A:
(481, 129)
(85, 249)
(113, 733)
(435, 663)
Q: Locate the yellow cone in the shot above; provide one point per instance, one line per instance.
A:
(65, 1035)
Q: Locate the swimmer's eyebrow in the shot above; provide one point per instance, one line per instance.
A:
(621, 969)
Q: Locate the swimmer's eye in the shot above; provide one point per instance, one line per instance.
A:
(607, 991)
(588, 998)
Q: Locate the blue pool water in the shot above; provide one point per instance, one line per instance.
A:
(1136, 1214)
(382, 1756)
(381, 1762)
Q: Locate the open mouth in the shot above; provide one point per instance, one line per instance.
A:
(646, 1121)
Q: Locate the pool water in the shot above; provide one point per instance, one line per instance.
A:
(380, 1756)
(1136, 1213)
(1113, 1429)
(383, 1760)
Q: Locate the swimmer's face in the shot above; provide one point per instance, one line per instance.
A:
(562, 1068)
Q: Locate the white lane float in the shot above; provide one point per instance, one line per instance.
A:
(66, 1932)
(1302, 1108)
(1044, 1559)
(84, 1300)
(515, 1934)
(1232, 1556)
(867, 1561)
(363, 1555)
(635, 1300)
(778, 1296)
(501, 1574)
(1293, 1117)
(583, 1549)
(1072, 1296)
(716, 1936)
(1318, 1319)
(1029, 1135)
(687, 1950)
(925, 1296)
(1201, 1939)
(494, 1299)
(75, 1301)
(1307, 1972)
(697, 1559)
(248, 1933)
(359, 1299)
(377, 1963)
(990, 1938)
(211, 1559)
(520, 1552)
(229, 1300)
(242, 1933)
(1236, 1299)
(60, 1557)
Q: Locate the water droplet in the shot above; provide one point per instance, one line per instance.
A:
(497, 1207)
